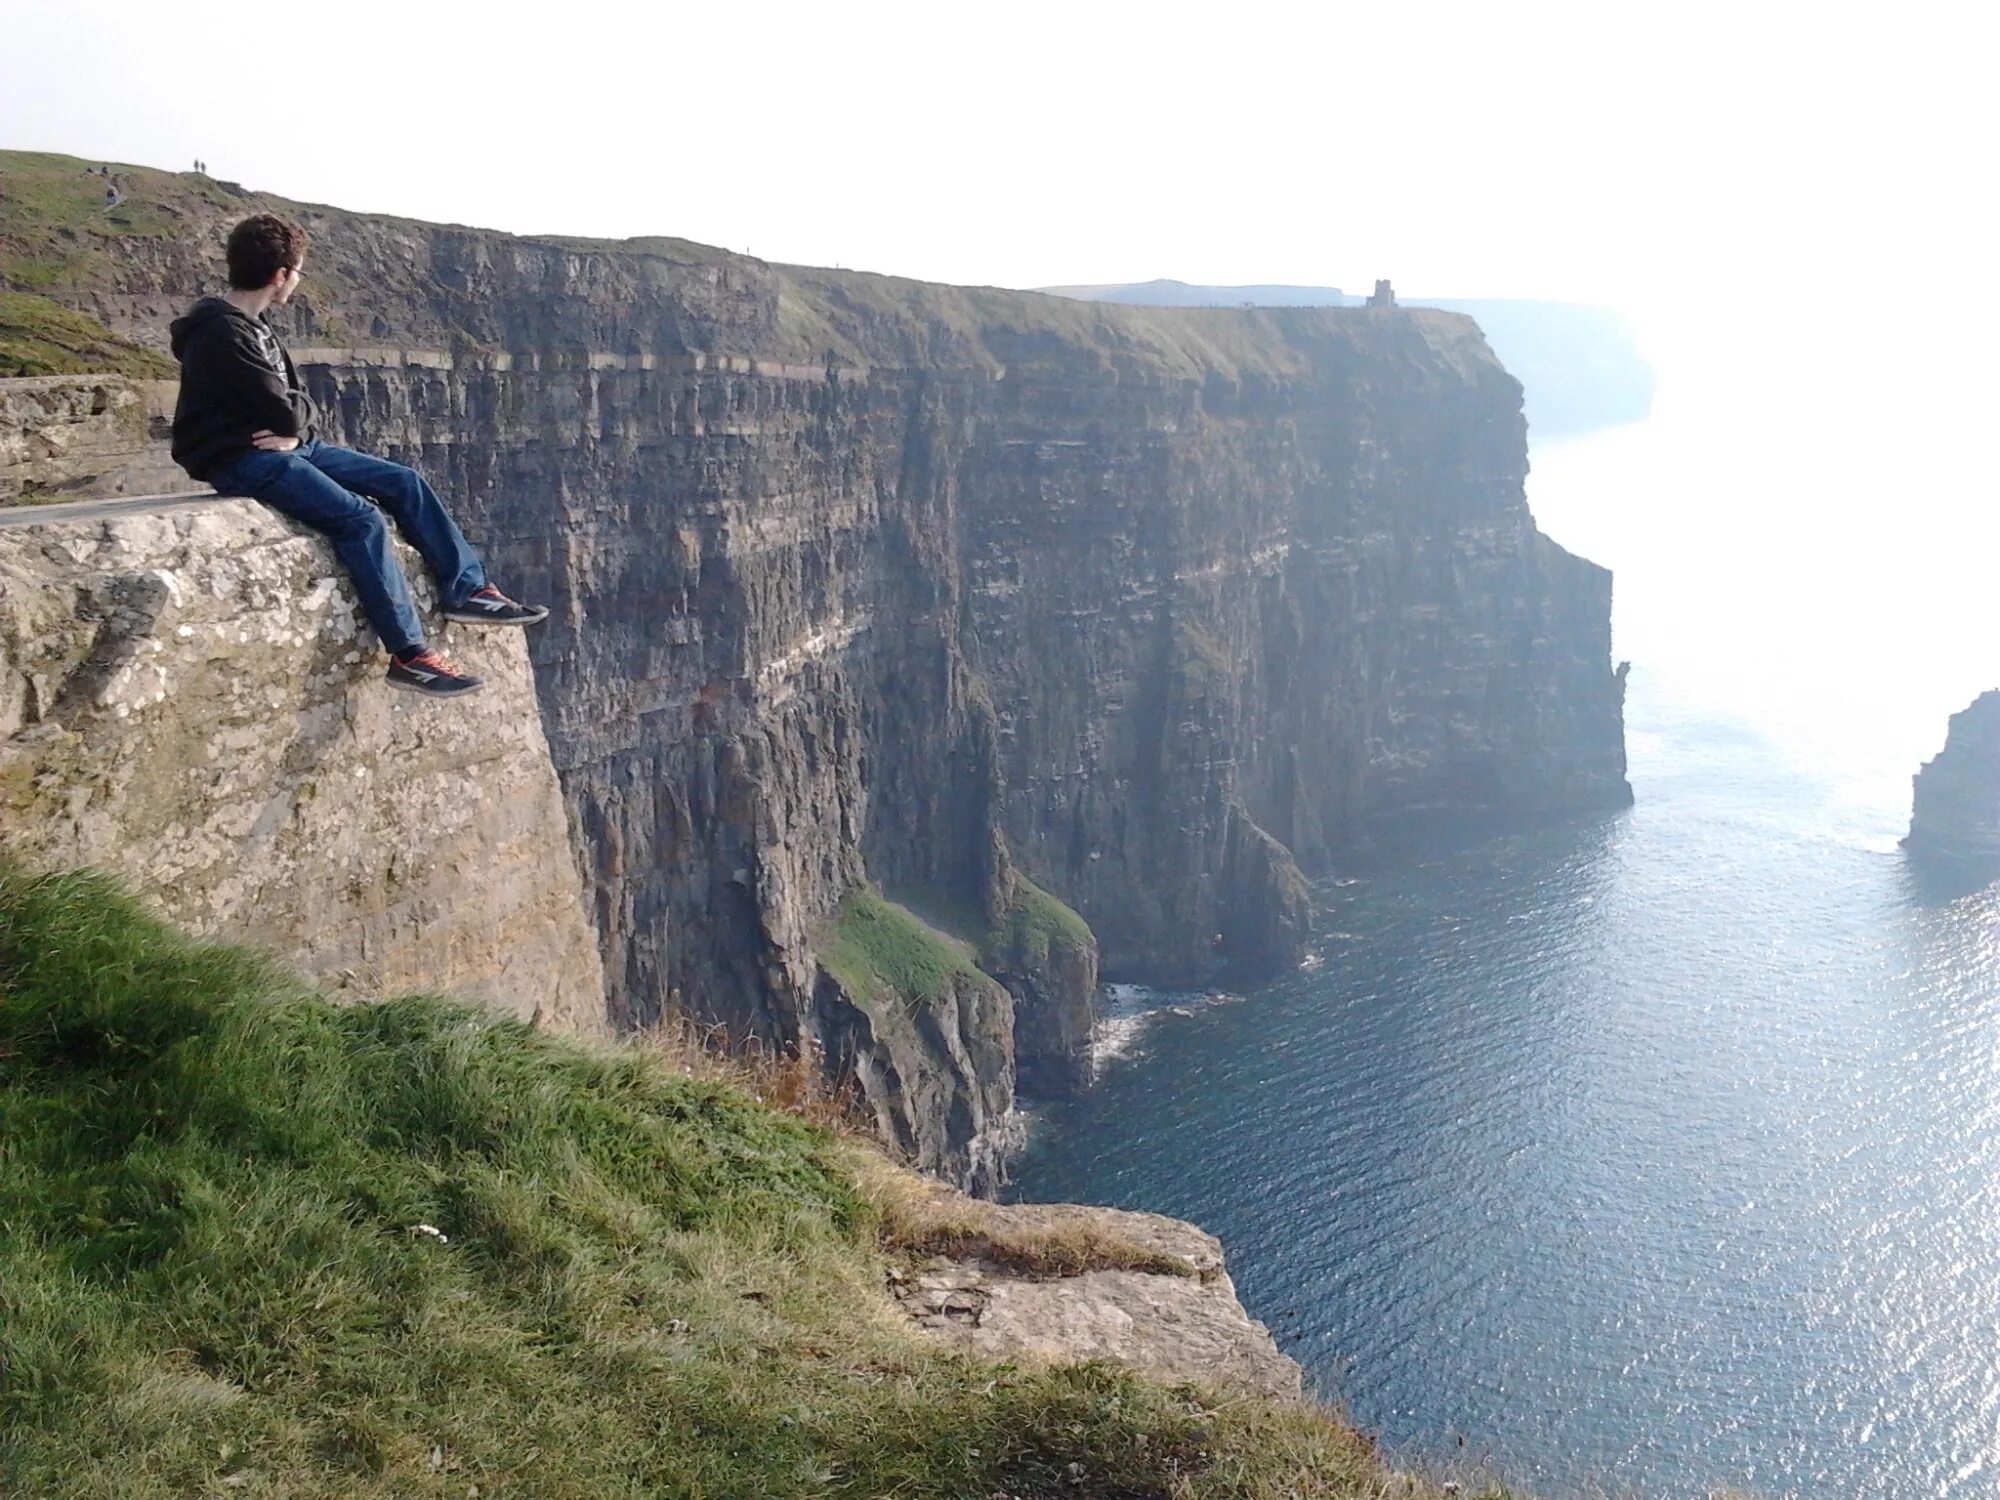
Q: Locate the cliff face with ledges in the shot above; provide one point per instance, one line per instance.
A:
(1163, 638)
(859, 579)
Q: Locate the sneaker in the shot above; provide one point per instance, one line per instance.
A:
(488, 606)
(424, 671)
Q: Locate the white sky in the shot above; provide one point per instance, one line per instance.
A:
(1588, 151)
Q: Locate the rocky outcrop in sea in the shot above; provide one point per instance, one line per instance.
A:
(1955, 809)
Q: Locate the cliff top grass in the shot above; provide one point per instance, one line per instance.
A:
(58, 232)
(253, 1242)
(40, 337)
(916, 1216)
(402, 281)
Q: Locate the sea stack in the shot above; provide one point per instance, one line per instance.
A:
(1955, 816)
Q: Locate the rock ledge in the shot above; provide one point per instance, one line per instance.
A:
(1172, 1328)
(189, 699)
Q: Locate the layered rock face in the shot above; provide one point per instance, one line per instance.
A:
(185, 700)
(60, 435)
(1955, 812)
(859, 580)
(1166, 636)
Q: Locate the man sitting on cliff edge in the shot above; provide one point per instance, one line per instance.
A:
(245, 425)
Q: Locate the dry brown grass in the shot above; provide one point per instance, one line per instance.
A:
(791, 1080)
(919, 1216)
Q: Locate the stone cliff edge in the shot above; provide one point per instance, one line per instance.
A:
(188, 698)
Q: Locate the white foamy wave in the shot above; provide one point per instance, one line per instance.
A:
(1113, 1038)
(1122, 1012)
(1125, 1011)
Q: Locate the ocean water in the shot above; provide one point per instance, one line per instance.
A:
(1660, 1151)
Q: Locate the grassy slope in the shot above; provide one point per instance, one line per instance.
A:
(879, 951)
(212, 1279)
(1032, 925)
(56, 231)
(58, 238)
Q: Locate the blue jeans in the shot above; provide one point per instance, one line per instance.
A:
(322, 486)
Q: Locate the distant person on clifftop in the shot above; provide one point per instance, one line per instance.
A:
(245, 424)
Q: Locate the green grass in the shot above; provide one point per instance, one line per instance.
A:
(877, 950)
(213, 1279)
(1034, 924)
(1201, 665)
(40, 337)
(57, 235)
(57, 239)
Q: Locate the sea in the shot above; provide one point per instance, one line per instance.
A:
(1656, 1153)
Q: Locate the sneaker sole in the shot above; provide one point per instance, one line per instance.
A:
(470, 619)
(429, 692)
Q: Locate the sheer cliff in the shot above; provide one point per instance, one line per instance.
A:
(988, 601)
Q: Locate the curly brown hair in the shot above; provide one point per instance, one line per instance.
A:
(261, 246)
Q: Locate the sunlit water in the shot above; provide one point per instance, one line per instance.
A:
(1661, 1151)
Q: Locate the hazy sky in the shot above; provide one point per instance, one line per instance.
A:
(1592, 151)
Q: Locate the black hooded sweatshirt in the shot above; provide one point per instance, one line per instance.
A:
(236, 381)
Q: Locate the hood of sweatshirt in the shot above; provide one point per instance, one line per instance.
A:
(182, 329)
